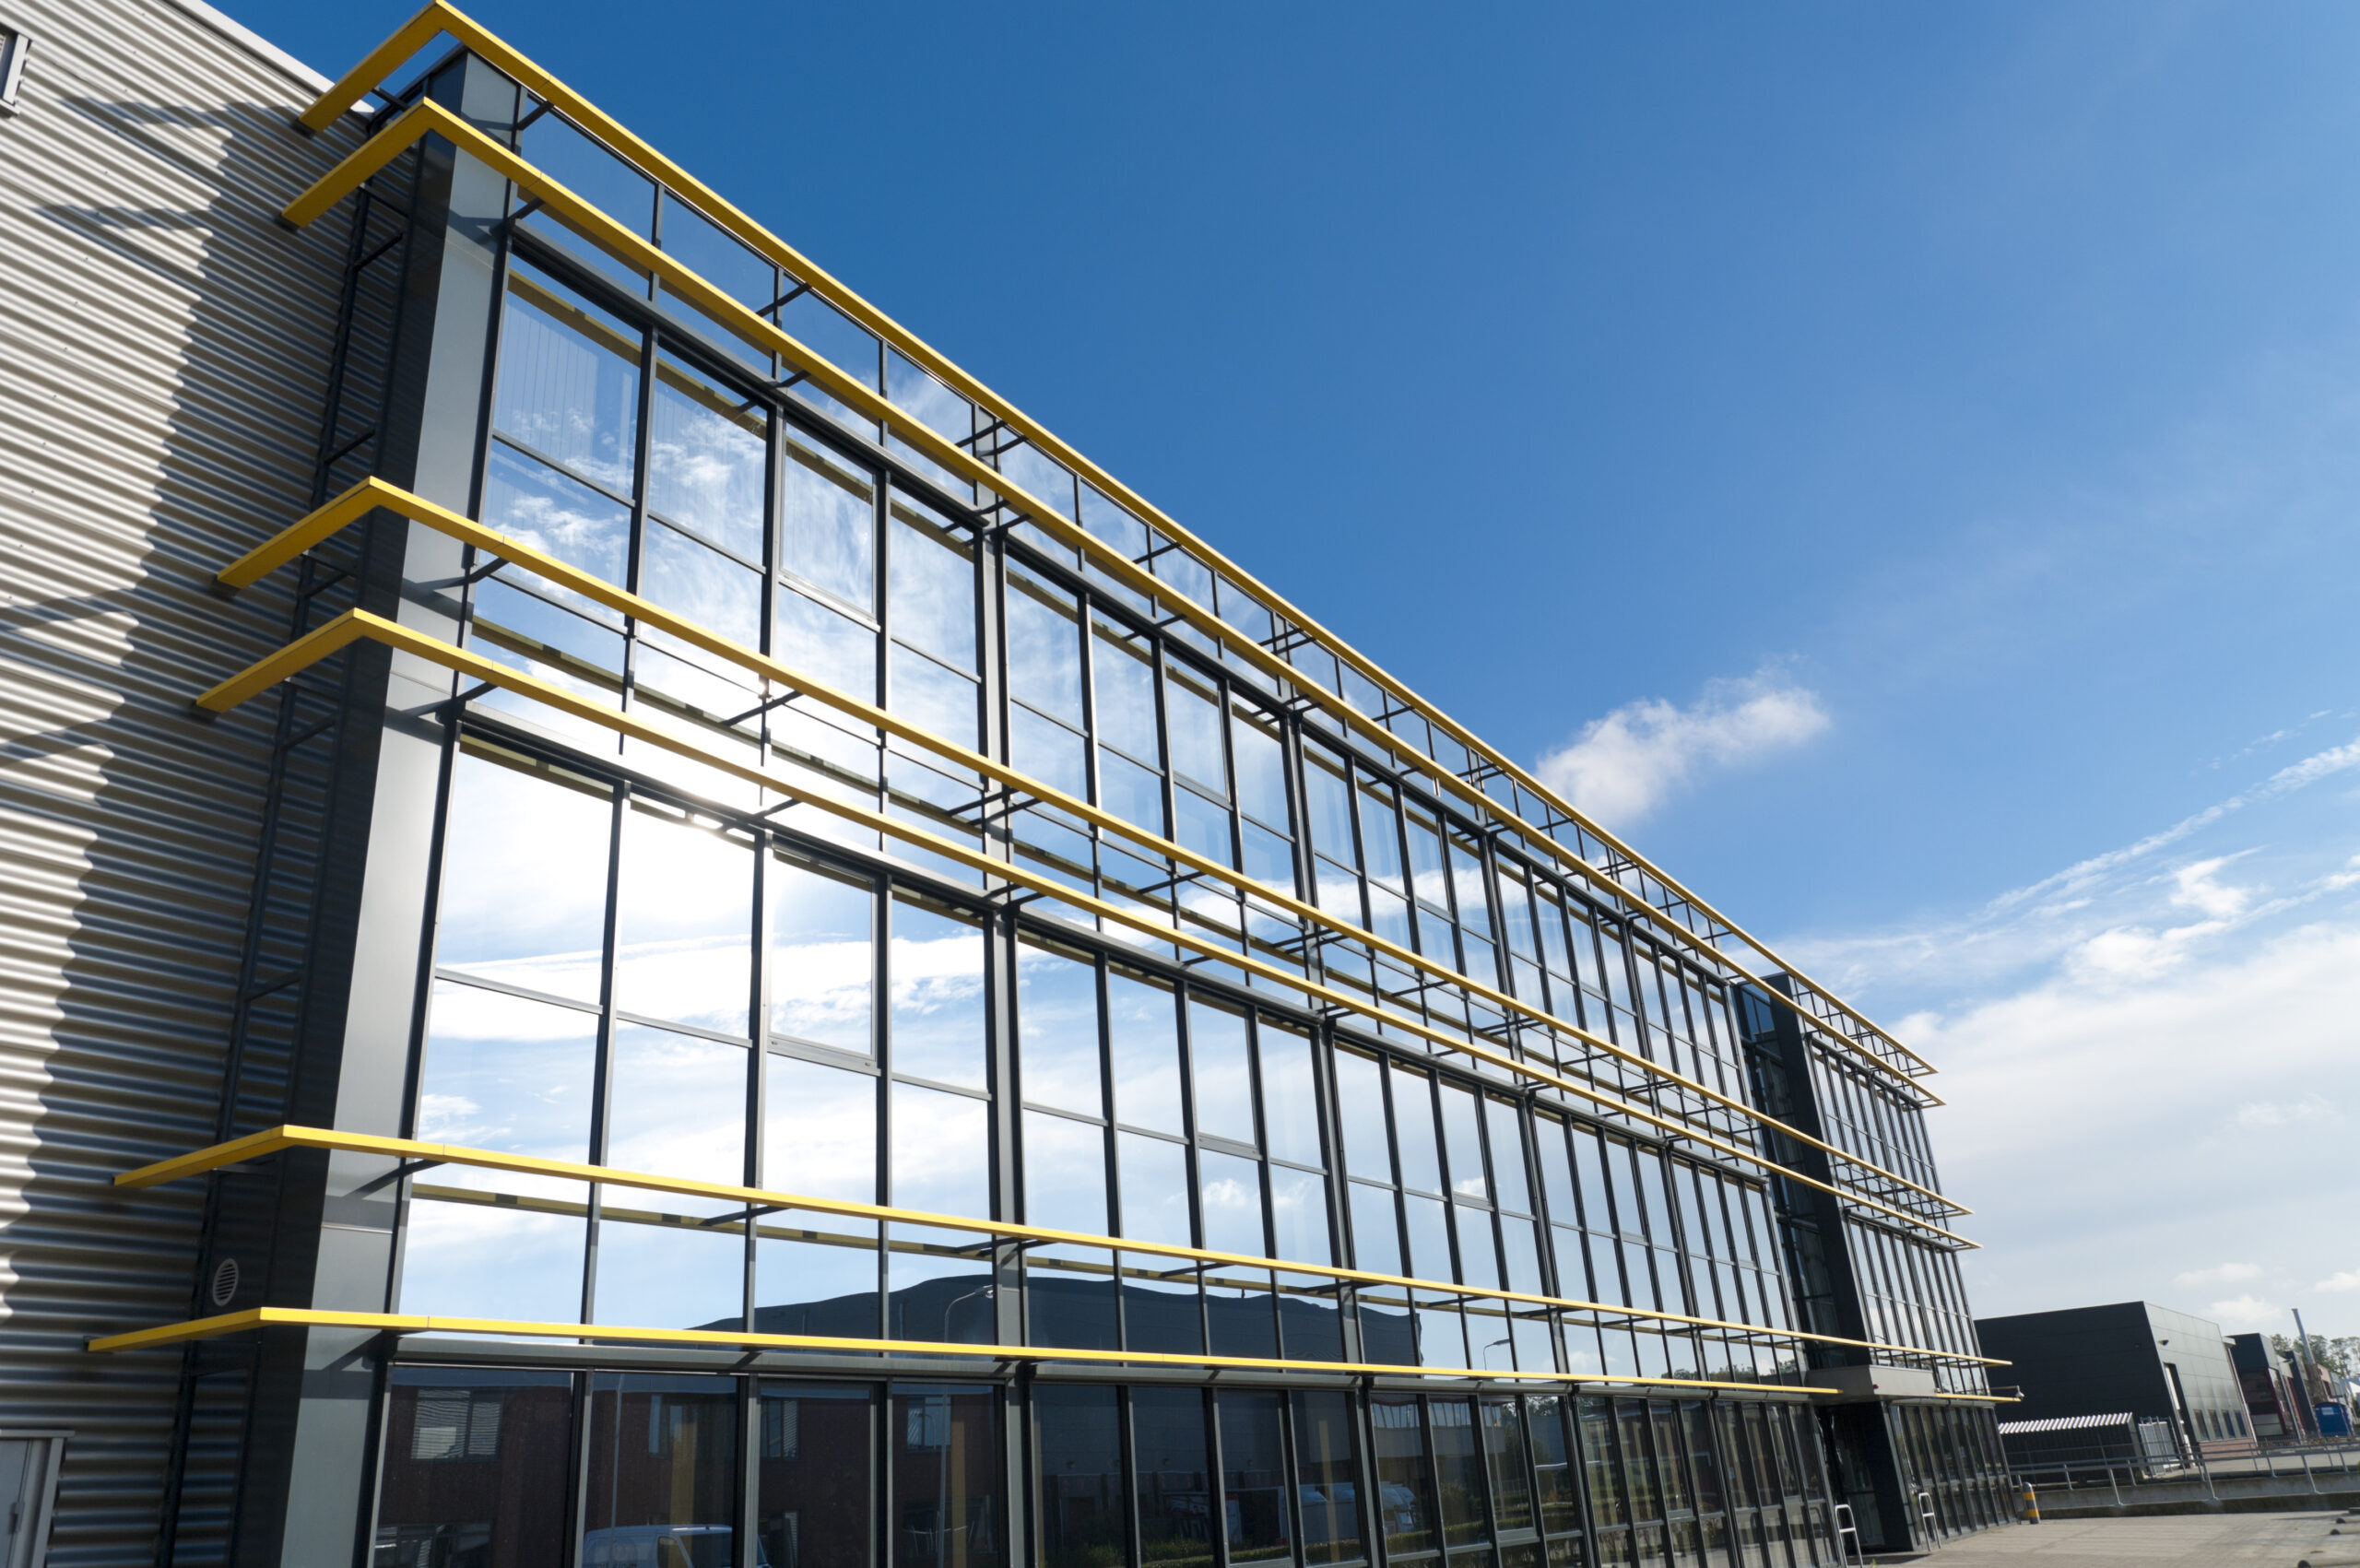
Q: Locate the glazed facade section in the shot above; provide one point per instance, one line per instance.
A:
(836, 1017)
(842, 1474)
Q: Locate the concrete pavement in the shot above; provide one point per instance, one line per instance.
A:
(2199, 1541)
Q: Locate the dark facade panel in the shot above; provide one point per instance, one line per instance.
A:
(2129, 1357)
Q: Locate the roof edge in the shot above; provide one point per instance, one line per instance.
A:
(253, 42)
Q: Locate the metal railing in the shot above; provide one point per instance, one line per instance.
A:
(2270, 1465)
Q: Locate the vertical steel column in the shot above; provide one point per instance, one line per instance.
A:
(1860, 1444)
(998, 826)
(311, 1426)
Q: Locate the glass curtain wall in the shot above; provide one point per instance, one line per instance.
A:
(642, 962)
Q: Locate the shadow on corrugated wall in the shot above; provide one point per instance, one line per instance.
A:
(164, 350)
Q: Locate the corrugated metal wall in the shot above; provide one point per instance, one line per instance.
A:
(163, 348)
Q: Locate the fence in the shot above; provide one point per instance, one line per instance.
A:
(2338, 1461)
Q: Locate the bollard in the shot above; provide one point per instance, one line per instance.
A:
(2030, 1506)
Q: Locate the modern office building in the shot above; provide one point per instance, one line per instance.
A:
(2155, 1363)
(644, 927)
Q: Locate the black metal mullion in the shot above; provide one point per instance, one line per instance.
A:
(1185, 1035)
(881, 1043)
(1323, 1082)
(1216, 1480)
(602, 1081)
(1127, 1459)
(1111, 1144)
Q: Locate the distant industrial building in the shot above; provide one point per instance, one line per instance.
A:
(2277, 1404)
(2129, 1358)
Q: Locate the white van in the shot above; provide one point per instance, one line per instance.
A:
(662, 1546)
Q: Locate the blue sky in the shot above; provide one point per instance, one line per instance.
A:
(1897, 461)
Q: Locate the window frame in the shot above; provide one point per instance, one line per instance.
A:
(16, 47)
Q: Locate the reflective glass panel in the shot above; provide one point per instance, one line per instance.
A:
(1289, 1097)
(1261, 768)
(817, 1273)
(677, 1109)
(706, 586)
(1146, 1051)
(1253, 1476)
(1327, 1477)
(1065, 1173)
(569, 382)
(1224, 1080)
(558, 515)
(1043, 648)
(1229, 1189)
(1078, 1456)
(1376, 1242)
(507, 1074)
(475, 1467)
(823, 980)
(516, 1076)
(1404, 1479)
(938, 987)
(946, 1476)
(524, 896)
(1359, 1103)
(814, 1452)
(1465, 1142)
(1193, 718)
(684, 921)
(1413, 1129)
(1514, 1189)
(708, 460)
(1551, 1462)
(929, 695)
(932, 573)
(1504, 1458)
(663, 1471)
(1459, 1471)
(1057, 1004)
(819, 1130)
(827, 523)
(1328, 799)
(941, 1152)
(1174, 1466)
(1125, 706)
(1299, 1215)
(1155, 1190)
(817, 642)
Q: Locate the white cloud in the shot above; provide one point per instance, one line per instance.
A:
(2135, 1021)
(1623, 766)
(2310, 1108)
(2294, 776)
(2196, 887)
(2244, 1313)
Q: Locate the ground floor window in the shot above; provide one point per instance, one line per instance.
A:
(493, 1468)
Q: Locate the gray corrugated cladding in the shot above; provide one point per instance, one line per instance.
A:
(163, 348)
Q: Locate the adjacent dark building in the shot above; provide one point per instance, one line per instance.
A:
(744, 957)
(2275, 1402)
(2132, 1357)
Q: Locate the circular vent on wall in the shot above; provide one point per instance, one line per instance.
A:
(225, 1281)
